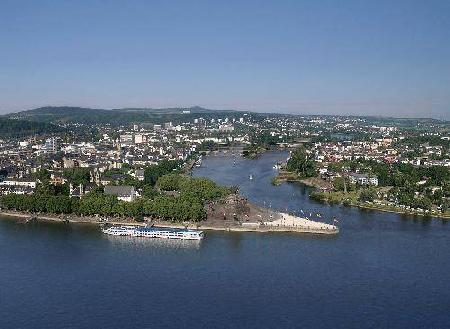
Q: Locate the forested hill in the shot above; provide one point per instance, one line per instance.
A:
(61, 115)
(11, 128)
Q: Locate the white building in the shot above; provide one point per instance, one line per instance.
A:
(139, 139)
(19, 182)
(363, 179)
(126, 139)
(124, 193)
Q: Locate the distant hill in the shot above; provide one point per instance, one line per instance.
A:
(65, 114)
(12, 128)
(60, 115)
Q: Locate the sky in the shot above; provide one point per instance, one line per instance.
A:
(388, 58)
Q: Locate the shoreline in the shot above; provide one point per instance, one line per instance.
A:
(249, 229)
(191, 225)
(284, 176)
(288, 177)
(67, 219)
(400, 212)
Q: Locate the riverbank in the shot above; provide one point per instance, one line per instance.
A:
(260, 228)
(403, 212)
(67, 218)
(253, 152)
(349, 199)
(232, 215)
(286, 176)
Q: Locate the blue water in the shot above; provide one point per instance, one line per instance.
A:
(382, 271)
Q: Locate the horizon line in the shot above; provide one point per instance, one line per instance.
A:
(283, 112)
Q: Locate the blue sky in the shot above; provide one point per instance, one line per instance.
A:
(329, 57)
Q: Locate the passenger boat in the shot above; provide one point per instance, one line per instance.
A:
(153, 232)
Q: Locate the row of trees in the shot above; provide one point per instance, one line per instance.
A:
(165, 207)
(406, 195)
(181, 208)
(187, 205)
(55, 204)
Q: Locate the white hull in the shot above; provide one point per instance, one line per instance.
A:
(162, 233)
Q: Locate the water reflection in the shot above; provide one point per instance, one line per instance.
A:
(153, 242)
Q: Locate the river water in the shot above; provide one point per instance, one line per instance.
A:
(382, 271)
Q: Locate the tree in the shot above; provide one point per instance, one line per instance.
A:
(445, 206)
(43, 175)
(148, 191)
(423, 203)
(335, 166)
(367, 195)
(189, 205)
(46, 188)
(207, 146)
(153, 172)
(339, 184)
(170, 182)
(301, 162)
(77, 176)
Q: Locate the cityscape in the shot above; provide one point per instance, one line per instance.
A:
(224, 164)
(385, 164)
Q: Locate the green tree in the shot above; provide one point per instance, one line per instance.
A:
(367, 195)
(170, 182)
(423, 203)
(77, 176)
(302, 163)
(43, 175)
(153, 172)
(338, 184)
(149, 191)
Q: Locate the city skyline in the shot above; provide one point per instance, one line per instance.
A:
(377, 59)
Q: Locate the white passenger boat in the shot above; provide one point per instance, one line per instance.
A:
(154, 232)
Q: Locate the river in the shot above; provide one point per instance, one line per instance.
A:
(381, 271)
